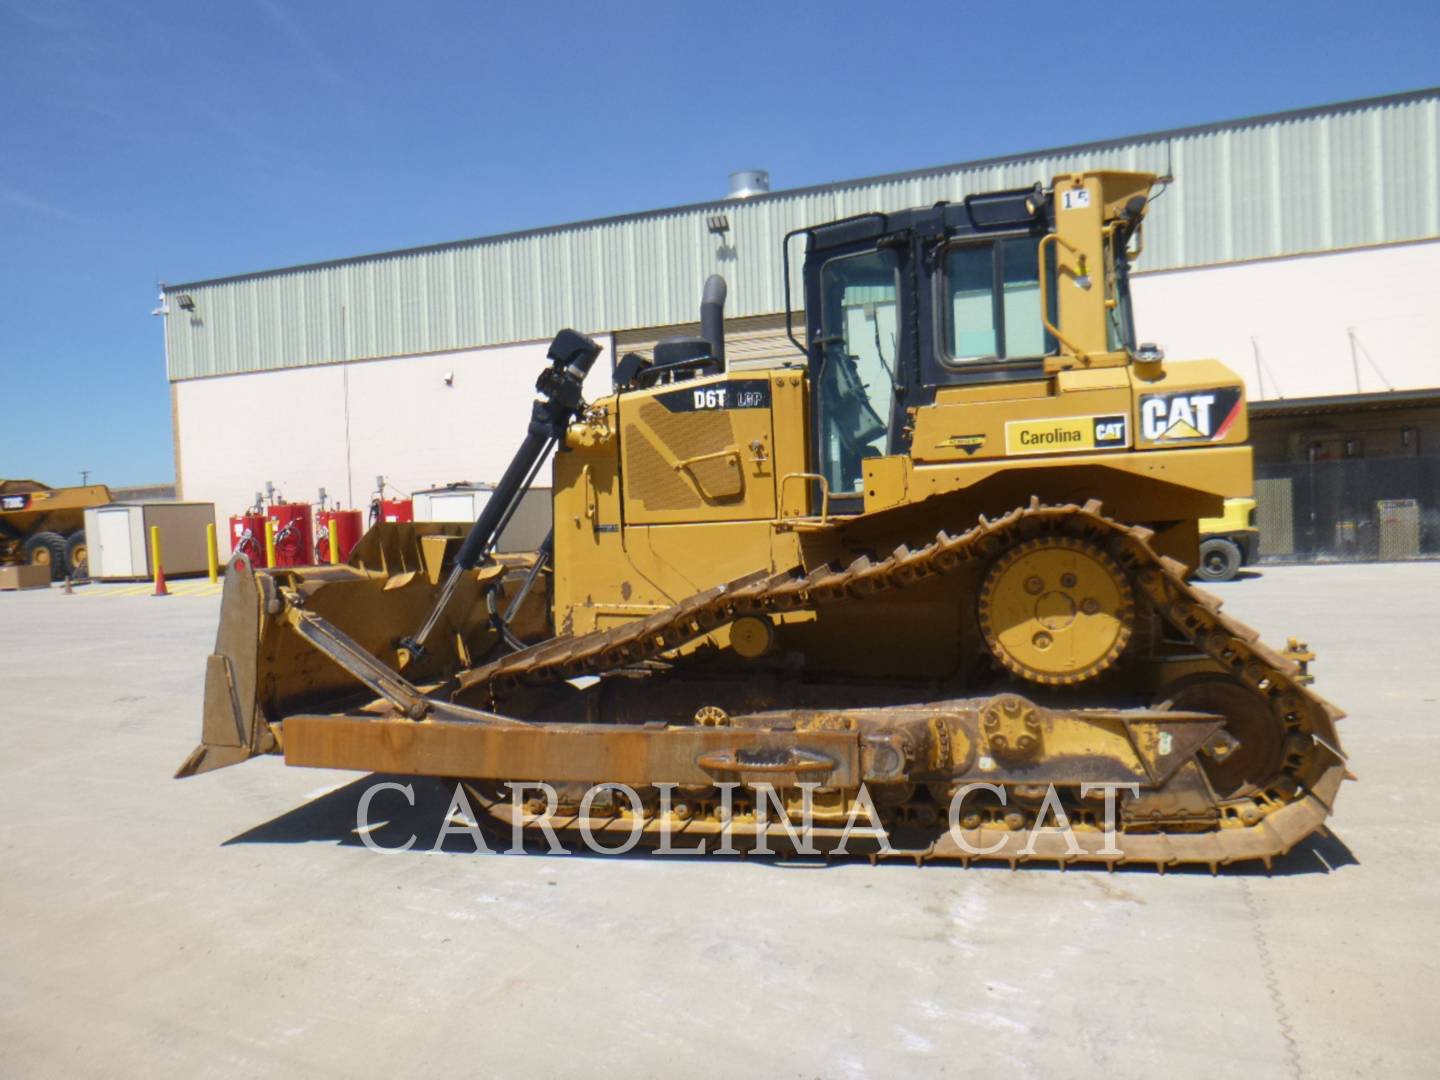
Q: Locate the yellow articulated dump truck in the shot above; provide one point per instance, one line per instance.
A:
(1228, 542)
(45, 526)
(930, 579)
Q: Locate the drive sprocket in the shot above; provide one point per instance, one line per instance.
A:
(1056, 610)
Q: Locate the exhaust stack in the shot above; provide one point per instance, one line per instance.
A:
(712, 317)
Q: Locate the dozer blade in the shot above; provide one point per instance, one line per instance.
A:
(233, 729)
(317, 638)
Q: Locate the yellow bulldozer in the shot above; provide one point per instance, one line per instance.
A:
(921, 592)
(45, 526)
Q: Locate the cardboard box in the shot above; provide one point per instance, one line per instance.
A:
(24, 576)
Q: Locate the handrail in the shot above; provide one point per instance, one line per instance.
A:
(687, 467)
(1044, 293)
(785, 270)
(824, 490)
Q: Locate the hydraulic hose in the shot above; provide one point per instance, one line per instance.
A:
(558, 401)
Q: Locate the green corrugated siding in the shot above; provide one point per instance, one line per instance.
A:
(1348, 176)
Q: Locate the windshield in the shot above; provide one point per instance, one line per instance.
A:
(860, 331)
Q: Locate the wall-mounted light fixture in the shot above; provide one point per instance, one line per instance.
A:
(718, 224)
(186, 301)
(450, 378)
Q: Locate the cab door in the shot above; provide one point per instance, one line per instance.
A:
(698, 451)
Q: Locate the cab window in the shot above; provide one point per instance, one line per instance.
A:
(993, 301)
(856, 380)
(1120, 320)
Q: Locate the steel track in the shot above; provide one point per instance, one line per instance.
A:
(1264, 825)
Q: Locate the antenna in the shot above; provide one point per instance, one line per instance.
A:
(1357, 347)
(1259, 368)
(1262, 368)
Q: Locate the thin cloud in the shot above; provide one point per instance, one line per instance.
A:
(320, 62)
(13, 197)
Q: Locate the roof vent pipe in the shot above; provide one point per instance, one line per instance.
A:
(749, 182)
(712, 317)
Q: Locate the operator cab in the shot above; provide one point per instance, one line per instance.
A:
(900, 304)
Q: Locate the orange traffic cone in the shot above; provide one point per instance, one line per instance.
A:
(160, 589)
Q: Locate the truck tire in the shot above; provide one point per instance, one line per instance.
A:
(1219, 560)
(77, 555)
(47, 549)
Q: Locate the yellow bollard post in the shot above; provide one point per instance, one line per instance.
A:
(156, 564)
(269, 541)
(212, 553)
(334, 543)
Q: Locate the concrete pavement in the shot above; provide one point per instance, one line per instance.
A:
(234, 924)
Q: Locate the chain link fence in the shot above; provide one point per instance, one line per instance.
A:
(1349, 510)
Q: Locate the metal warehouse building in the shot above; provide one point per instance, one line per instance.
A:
(1301, 248)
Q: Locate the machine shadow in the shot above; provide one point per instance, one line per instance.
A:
(1319, 853)
(334, 818)
(1245, 573)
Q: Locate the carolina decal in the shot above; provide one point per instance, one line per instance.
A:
(734, 394)
(1191, 415)
(1066, 434)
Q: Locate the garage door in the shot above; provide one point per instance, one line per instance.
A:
(757, 342)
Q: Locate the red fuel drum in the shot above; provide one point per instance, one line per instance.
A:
(392, 510)
(293, 543)
(247, 537)
(348, 525)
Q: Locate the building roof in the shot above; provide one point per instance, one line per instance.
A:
(1375, 401)
(1335, 176)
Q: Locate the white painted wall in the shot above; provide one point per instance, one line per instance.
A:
(1298, 311)
(236, 432)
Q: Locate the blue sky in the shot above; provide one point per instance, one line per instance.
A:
(141, 141)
